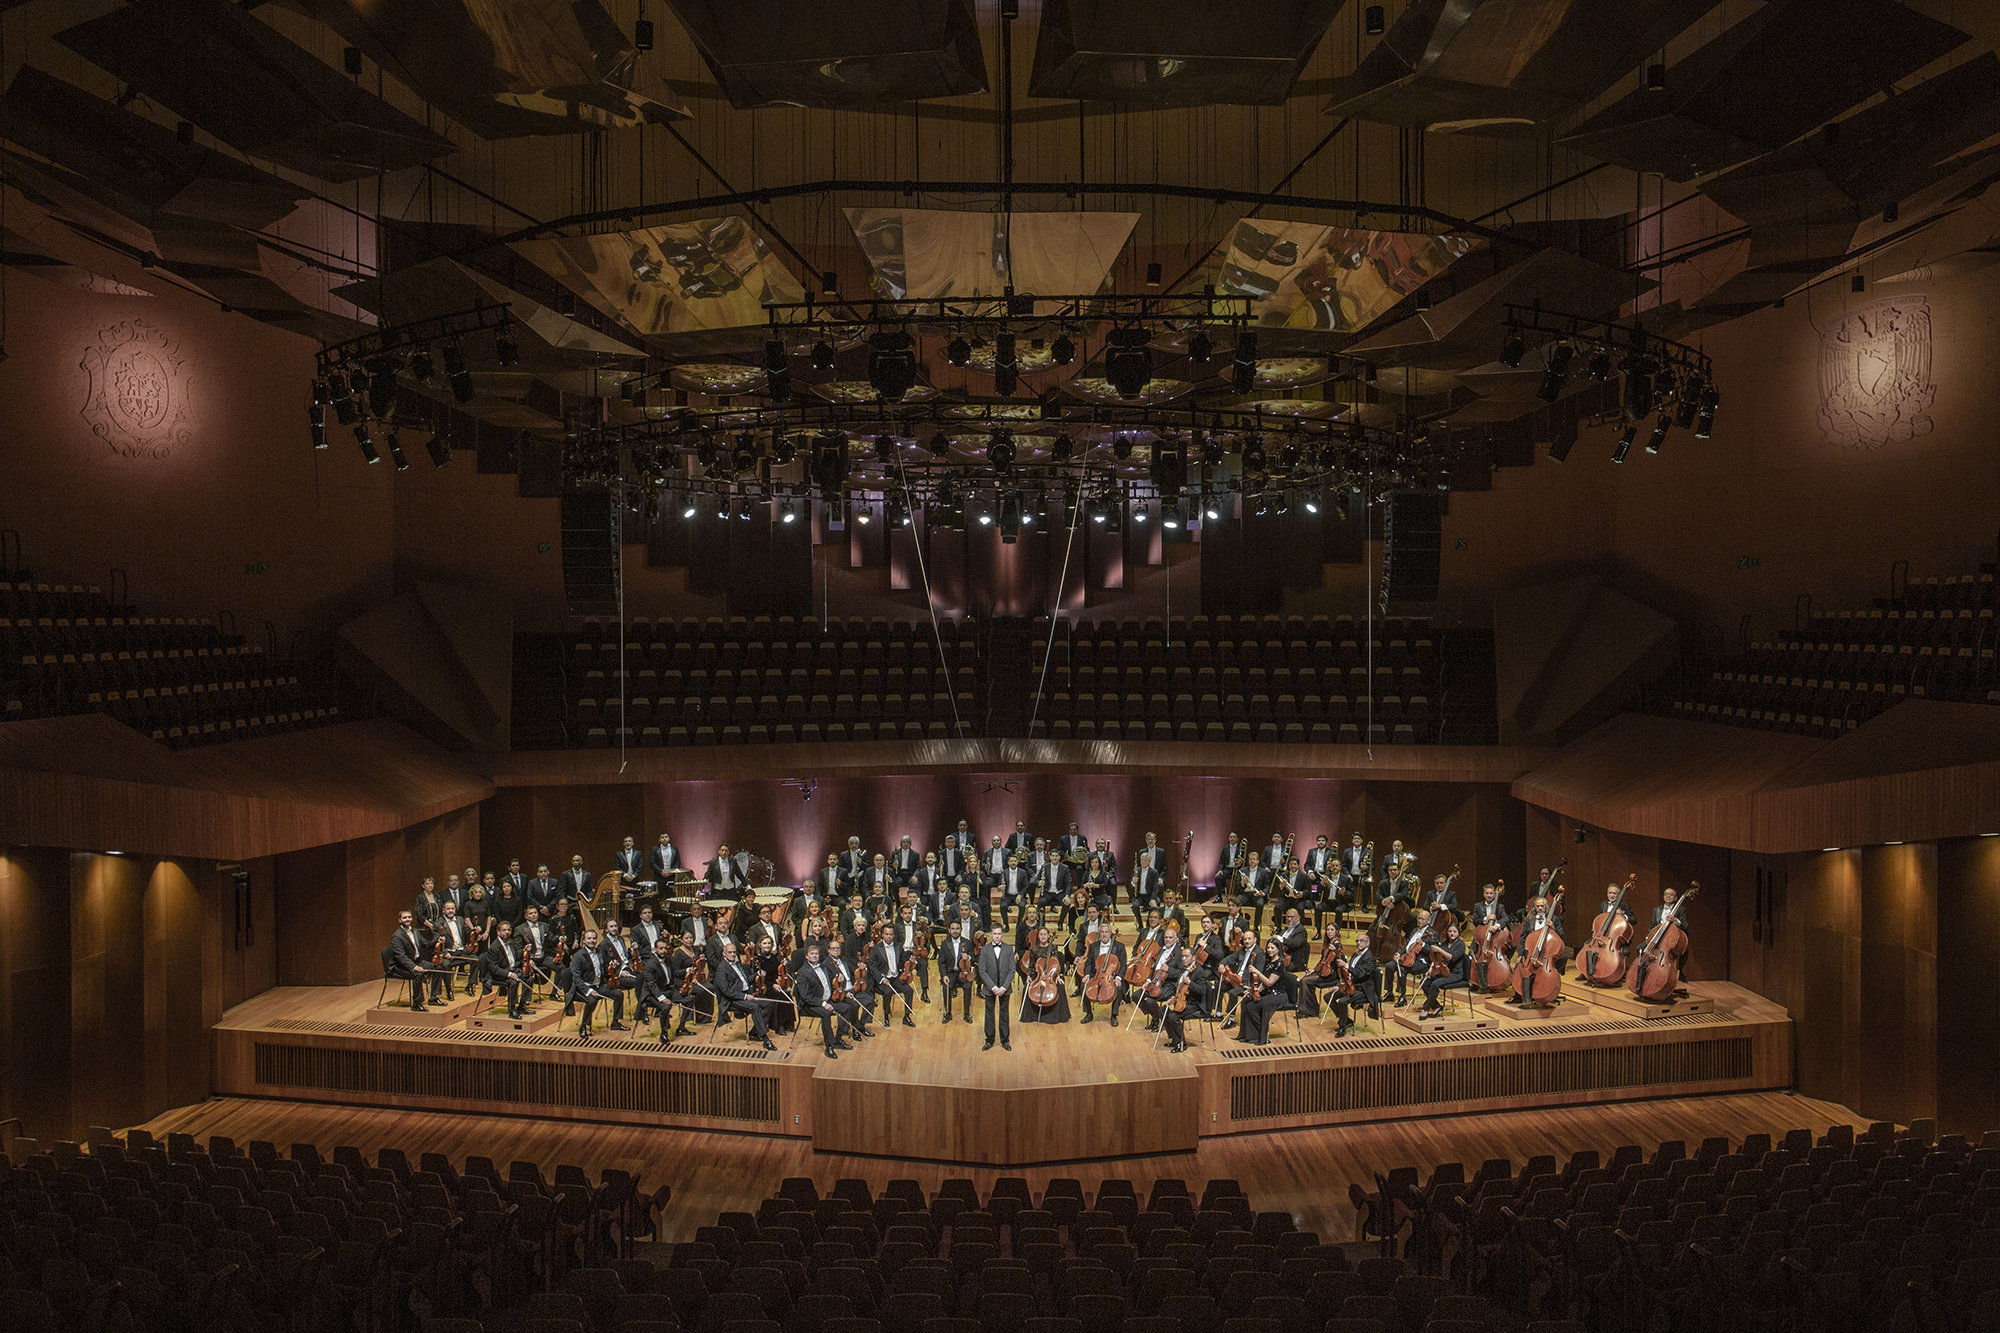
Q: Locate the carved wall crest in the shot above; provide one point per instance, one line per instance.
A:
(139, 391)
(1875, 374)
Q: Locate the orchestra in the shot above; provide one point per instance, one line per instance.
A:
(1057, 917)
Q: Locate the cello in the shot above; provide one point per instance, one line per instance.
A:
(1537, 980)
(1045, 982)
(1656, 974)
(1603, 961)
(1101, 986)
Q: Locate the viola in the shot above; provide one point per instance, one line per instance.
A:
(836, 986)
(1657, 973)
(1603, 961)
(1536, 980)
(1179, 1003)
(1413, 948)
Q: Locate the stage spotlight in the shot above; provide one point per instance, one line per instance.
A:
(1097, 510)
(1312, 502)
(777, 369)
(1263, 506)
(1173, 518)
(1513, 348)
(421, 369)
(367, 443)
(885, 449)
(505, 350)
(688, 512)
(1373, 20)
(829, 459)
(862, 513)
(892, 364)
(316, 417)
(1254, 459)
(1211, 509)
(705, 453)
(1284, 502)
(1693, 388)
(1704, 417)
(1121, 448)
(985, 519)
(1000, 450)
(1656, 78)
(783, 451)
(940, 445)
(1639, 385)
(1659, 433)
(455, 371)
(1062, 351)
(382, 389)
(788, 514)
(1243, 370)
(822, 355)
(1555, 371)
(1625, 442)
(1288, 456)
(396, 452)
(958, 351)
(1600, 364)
(1061, 450)
(1128, 362)
(1139, 514)
(642, 34)
(440, 451)
(744, 455)
(1115, 514)
(1200, 347)
(344, 409)
(722, 507)
(897, 513)
(1006, 365)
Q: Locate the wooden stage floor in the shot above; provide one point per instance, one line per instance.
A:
(1072, 1092)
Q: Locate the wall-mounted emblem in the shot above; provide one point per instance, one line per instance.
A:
(1875, 374)
(138, 402)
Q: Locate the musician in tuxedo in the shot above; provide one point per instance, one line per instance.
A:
(860, 997)
(453, 890)
(1420, 936)
(1669, 896)
(1071, 841)
(903, 862)
(806, 905)
(1355, 873)
(1253, 889)
(664, 859)
(517, 879)
(1394, 865)
(1149, 874)
(1093, 948)
(400, 959)
(630, 863)
(762, 931)
(657, 986)
(1016, 886)
(813, 989)
(830, 881)
(588, 985)
(994, 966)
(1322, 867)
(955, 861)
(953, 950)
(993, 864)
(913, 924)
(537, 941)
(543, 890)
(1020, 840)
(504, 968)
(457, 949)
(647, 932)
(615, 945)
(724, 876)
(1292, 889)
(1108, 857)
(877, 882)
(1173, 914)
(1366, 974)
(1229, 865)
(1455, 976)
(979, 910)
(1488, 911)
(1212, 939)
(1441, 897)
(1274, 853)
(853, 863)
(1051, 885)
(1174, 963)
(1623, 909)
(1236, 961)
(576, 885)
(961, 838)
(931, 887)
(733, 985)
(885, 969)
(428, 909)
(1039, 856)
(1293, 941)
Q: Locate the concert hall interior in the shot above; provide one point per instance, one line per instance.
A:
(1310, 667)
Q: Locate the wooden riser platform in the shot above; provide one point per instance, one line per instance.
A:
(1618, 1000)
(1064, 1093)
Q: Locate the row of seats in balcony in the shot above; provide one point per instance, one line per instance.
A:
(704, 685)
(23, 595)
(778, 654)
(1234, 629)
(160, 668)
(1295, 654)
(1272, 732)
(1236, 680)
(59, 636)
(781, 733)
(1899, 629)
(769, 629)
(1308, 708)
(770, 708)
(1953, 592)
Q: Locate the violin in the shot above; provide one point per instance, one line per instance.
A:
(1536, 980)
(1046, 984)
(1603, 961)
(1657, 974)
(836, 985)
(1440, 961)
(1413, 949)
(965, 962)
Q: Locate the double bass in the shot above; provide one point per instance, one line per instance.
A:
(1442, 917)
(1603, 961)
(1536, 978)
(1490, 969)
(1656, 975)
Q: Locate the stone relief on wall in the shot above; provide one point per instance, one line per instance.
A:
(1875, 374)
(138, 399)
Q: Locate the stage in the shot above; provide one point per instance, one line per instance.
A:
(1064, 1093)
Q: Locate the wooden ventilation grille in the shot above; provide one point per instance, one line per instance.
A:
(1475, 1079)
(519, 1082)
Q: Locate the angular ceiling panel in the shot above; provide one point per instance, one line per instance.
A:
(1336, 279)
(837, 53)
(1466, 330)
(444, 287)
(508, 68)
(236, 78)
(1161, 53)
(1782, 71)
(928, 253)
(685, 277)
(1497, 66)
(24, 255)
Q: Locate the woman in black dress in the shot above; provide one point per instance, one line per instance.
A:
(1041, 949)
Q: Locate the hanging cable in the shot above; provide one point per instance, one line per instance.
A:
(930, 602)
(1055, 612)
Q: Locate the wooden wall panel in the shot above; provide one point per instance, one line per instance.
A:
(311, 908)
(1823, 914)
(107, 988)
(35, 990)
(1968, 906)
(1708, 916)
(176, 1048)
(377, 889)
(437, 847)
(1898, 991)
(239, 954)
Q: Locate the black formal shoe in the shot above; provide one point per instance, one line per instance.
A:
(569, 1011)
(988, 1046)
(1342, 1030)
(925, 1000)
(583, 1034)
(1089, 1018)
(665, 1040)
(1006, 1045)
(909, 1022)
(842, 1045)
(947, 1017)
(832, 1054)
(768, 1046)
(620, 1027)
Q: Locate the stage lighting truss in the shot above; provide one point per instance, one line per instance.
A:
(380, 357)
(1661, 376)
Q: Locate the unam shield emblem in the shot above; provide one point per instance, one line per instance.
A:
(138, 399)
(1875, 374)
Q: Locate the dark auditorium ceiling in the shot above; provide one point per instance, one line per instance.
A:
(638, 180)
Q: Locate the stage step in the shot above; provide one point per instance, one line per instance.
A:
(1566, 1007)
(436, 1016)
(1620, 1000)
